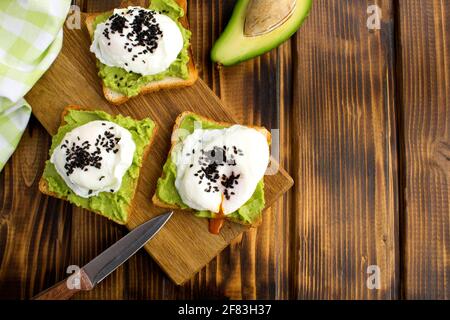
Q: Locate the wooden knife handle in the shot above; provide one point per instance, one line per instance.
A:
(64, 290)
(59, 291)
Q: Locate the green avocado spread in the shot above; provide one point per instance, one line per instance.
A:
(167, 192)
(114, 206)
(130, 83)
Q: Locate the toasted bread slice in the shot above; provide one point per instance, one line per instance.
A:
(43, 185)
(166, 83)
(160, 203)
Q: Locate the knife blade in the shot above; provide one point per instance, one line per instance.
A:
(109, 260)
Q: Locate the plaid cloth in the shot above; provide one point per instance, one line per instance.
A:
(30, 39)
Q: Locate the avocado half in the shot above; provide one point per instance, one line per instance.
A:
(233, 46)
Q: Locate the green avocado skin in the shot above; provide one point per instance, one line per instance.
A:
(166, 191)
(129, 83)
(111, 205)
(233, 46)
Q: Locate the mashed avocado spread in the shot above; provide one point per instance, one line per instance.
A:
(167, 192)
(112, 205)
(129, 83)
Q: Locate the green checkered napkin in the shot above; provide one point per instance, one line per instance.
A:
(30, 39)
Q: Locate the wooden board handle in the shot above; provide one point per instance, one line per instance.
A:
(63, 290)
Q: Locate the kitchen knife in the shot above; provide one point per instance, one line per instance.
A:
(109, 260)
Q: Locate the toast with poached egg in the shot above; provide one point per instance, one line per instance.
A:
(97, 172)
(215, 174)
(134, 57)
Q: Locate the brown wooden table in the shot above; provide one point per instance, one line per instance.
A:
(364, 121)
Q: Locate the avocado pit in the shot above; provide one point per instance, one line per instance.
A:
(264, 16)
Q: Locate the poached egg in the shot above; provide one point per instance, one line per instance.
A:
(94, 157)
(138, 40)
(220, 168)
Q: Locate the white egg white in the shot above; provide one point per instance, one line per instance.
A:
(89, 180)
(114, 51)
(246, 157)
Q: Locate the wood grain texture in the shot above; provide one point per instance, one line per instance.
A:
(96, 5)
(34, 237)
(424, 75)
(343, 154)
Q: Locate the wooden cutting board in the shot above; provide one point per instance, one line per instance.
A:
(184, 245)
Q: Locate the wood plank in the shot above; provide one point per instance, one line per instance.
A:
(252, 266)
(106, 232)
(256, 266)
(343, 154)
(96, 5)
(184, 245)
(424, 57)
(33, 241)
